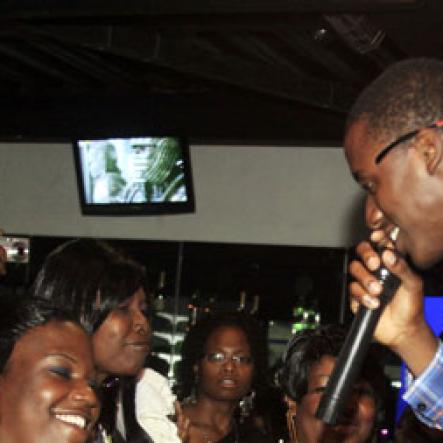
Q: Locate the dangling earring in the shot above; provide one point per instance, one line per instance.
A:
(290, 419)
(246, 405)
(193, 396)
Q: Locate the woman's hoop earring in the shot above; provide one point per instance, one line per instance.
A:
(246, 405)
(193, 395)
(291, 413)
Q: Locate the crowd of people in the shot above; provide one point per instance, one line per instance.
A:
(73, 366)
(73, 350)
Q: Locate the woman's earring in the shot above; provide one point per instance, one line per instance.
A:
(290, 419)
(246, 405)
(193, 396)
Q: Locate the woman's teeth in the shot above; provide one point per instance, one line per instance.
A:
(76, 420)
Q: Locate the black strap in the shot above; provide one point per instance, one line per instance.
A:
(134, 432)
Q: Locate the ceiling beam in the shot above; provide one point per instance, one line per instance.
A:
(207, 118)
(111, 10)
(191, 57)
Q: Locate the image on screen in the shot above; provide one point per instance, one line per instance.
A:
(132, 170)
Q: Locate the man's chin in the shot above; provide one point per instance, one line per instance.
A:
(425, 262)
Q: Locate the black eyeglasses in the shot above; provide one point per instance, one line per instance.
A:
(403, 138)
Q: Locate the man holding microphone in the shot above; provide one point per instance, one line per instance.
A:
(394, 147)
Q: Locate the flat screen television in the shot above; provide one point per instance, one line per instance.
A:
(134, 176)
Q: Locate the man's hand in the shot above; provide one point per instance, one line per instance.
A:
(402, 326)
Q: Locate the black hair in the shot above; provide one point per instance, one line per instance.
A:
(303, 350)
(410, 429)
(194, 346)
(408, 95)
(80, 272)
(307, 347)
(18, 316)
(93, 278)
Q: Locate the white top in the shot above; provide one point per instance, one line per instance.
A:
(154, 401)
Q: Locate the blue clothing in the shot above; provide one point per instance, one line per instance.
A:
(425, 395)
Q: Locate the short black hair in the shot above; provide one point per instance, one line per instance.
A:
(303, 350)
(19, 315)
(75, 272)
(408, 95)
(194, 346)
(307, 347)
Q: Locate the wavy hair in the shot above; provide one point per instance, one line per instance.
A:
(194, 347)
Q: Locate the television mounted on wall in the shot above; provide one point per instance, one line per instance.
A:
(134, 176)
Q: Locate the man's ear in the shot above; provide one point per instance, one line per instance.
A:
(429, 146)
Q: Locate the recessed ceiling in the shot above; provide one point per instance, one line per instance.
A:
(220, 71)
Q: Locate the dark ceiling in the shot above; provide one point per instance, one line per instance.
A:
(266, 71)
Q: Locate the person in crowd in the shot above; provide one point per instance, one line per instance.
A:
(47, 375)
(307, 363)
(107, 292)
(224, 361)
(394, 147)
(410, 429)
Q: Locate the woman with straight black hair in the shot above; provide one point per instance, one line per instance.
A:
(108, 294)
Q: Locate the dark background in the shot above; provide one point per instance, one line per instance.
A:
(253, 72)
(280, 72)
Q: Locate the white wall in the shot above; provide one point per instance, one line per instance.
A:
(273, 195)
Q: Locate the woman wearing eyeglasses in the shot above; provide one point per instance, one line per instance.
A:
(223, 359)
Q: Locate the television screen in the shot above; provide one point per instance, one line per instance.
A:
(130, 176)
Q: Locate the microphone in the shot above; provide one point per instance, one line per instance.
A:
(355, 347)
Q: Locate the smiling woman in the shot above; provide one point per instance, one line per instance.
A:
(47, 379)
(107, 292)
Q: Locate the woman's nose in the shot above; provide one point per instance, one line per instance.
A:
(140, 322)
(229, 364)
(83, 392)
